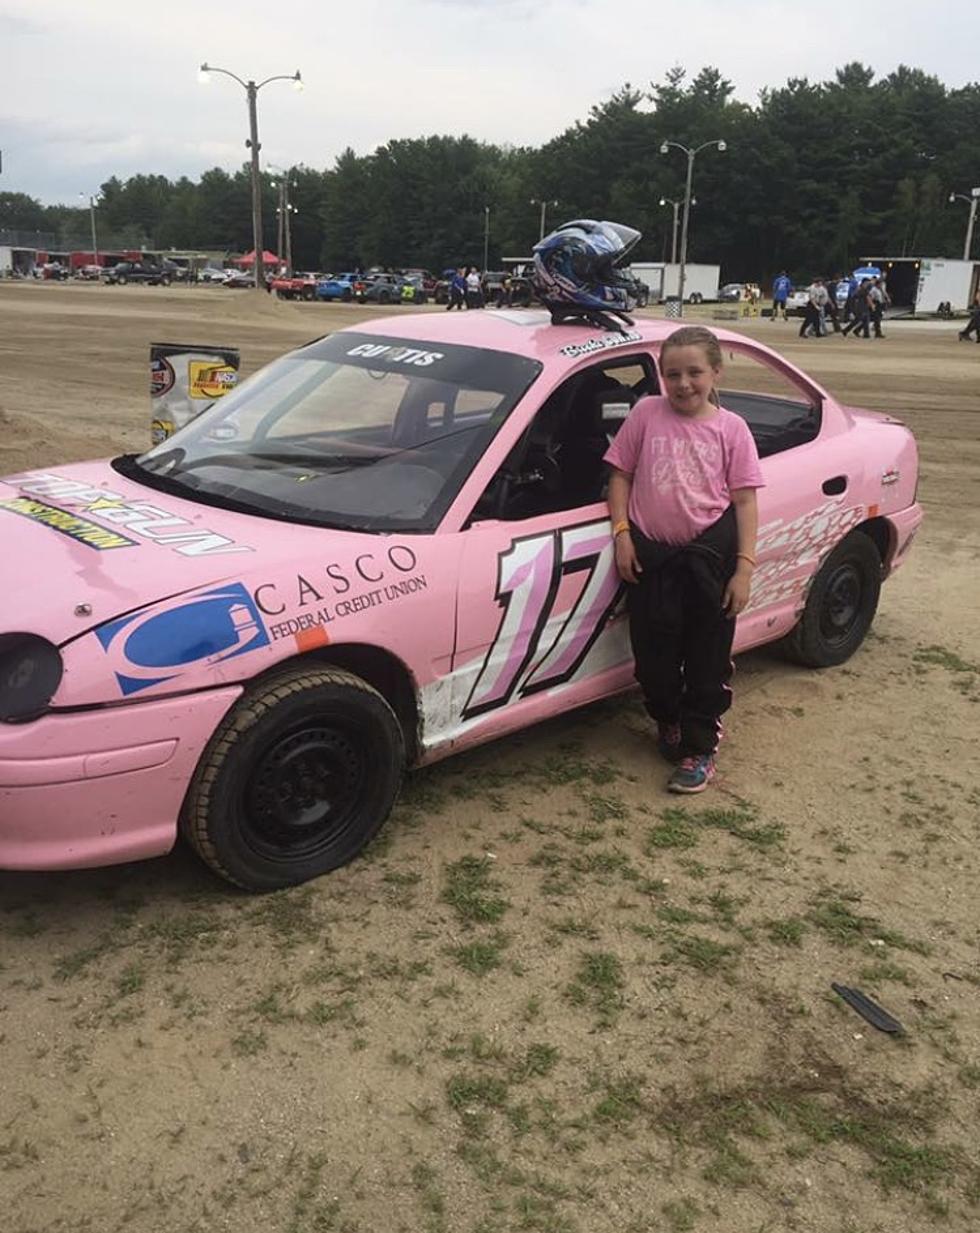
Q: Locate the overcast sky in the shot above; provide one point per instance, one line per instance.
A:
(94, 88)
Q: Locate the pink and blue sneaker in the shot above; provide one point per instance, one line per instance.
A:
(692, 774)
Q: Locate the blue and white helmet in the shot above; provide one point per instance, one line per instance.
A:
(575, 266)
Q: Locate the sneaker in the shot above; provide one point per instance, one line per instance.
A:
(693, 774)
(669, 741)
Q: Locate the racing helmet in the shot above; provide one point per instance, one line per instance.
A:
(575, 266)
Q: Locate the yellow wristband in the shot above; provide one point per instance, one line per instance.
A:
(745, 557)
(619, 528)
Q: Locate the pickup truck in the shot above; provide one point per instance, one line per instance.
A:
(296, 287)
(138, 272)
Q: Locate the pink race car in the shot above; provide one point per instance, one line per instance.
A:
(387, 546)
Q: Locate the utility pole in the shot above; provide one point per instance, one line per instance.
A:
(691, 153)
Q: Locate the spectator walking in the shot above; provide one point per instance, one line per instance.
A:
(815, 305)
(474, 292)
(877, 299)
(457, 291)
(781, 287)
(973, 325)
(860, 311)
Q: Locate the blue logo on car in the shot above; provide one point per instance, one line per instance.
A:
(149, 648)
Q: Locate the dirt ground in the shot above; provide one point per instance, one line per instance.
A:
(548, 998)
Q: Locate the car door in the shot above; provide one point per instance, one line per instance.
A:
(541, 622)
(811, 474)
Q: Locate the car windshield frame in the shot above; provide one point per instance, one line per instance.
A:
(420, 451)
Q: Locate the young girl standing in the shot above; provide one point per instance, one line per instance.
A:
(682, 499)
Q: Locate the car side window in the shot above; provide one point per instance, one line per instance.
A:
(780, 414)
(557, 463)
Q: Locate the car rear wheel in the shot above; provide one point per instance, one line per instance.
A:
(840, 607)
(122, 280)
(308, 293)
(297, 779)
(346, 296)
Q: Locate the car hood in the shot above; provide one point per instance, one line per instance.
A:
(83, 544)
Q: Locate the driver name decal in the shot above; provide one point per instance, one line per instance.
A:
(602, 343)
(396, 355)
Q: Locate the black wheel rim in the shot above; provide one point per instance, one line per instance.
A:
(304, 792)
(841, 608)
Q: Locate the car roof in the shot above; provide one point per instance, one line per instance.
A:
(528, 332)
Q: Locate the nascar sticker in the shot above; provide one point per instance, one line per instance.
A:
(184, 381)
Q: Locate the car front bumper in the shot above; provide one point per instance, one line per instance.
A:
(103, 786)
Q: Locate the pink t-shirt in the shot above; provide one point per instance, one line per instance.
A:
(684, 470)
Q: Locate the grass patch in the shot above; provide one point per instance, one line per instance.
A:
(599, 984)
(470, 891)
(786, 932)
(846, 928)
(482, 956)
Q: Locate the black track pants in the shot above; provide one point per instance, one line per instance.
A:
(684, 667)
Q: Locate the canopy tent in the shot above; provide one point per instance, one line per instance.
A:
(249, 258)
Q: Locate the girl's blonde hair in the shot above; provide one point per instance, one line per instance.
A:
(695, 336)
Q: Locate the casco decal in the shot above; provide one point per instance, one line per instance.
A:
(148, 648)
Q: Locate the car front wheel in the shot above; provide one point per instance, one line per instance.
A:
(840, 607)
(297, 779)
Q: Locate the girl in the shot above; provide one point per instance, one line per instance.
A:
(682, 499)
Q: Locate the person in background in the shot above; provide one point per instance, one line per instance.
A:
(973, 325)
(860, 311)
(781, 287)
(457, 290)
(474, 293)
(815, 305)
(877, 299)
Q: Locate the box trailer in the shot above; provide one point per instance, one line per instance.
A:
(921, 284)
(701, 281)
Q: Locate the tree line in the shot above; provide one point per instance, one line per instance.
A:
(815, 176)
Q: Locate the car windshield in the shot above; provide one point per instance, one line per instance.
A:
(355, 430)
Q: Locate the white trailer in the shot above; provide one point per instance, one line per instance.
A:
(701, 281)
(921, 284)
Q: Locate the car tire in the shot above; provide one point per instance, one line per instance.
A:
(384, 297)
(121, 280)
(164, 282)
(298, 778)
(840, 606)
(308, 293)
(347, 296)
(695, 297)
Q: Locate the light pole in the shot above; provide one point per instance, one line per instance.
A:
(283, 210)
(691, 153)
(972, 200)
(666, 201)
(544, 206)
(93, 199)
(251, 91)
(486, 237)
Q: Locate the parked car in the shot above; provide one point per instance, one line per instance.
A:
(89, 273)
(213, 274)
(137, 272)
(336, 287)
(239, 280)
(252, 646)
(411, 289)
(796, 302)
(296, 286)
(730, 293)
(378, 289)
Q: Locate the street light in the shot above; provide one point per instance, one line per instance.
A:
(93, 200)
(283, 211)
(666, 201)
(251, 91)
(972, 201)
(665, 146)
(486, 237)
(544, 206)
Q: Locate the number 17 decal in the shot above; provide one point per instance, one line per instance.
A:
(535, 649)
